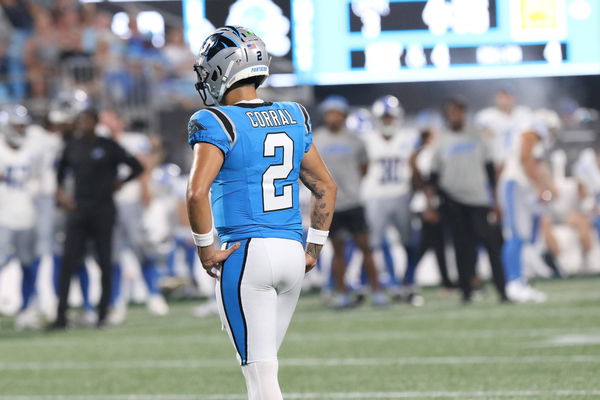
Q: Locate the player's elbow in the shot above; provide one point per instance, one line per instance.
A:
(331, 187)
(195, 195)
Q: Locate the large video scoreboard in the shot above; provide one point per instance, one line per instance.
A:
(364, 41)
(361, 41)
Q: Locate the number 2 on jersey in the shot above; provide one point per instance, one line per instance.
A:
(271, 200)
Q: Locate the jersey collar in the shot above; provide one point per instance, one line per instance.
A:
(254, 103)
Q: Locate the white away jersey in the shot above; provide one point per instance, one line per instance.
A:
(19, 185)
(389, 170)
(513, 167)
(136, 144)
(587, 171)
(496, 127)
(50, 147)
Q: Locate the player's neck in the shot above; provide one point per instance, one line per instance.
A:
(242, 93)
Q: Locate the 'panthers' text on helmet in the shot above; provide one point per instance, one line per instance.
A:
(229, 55)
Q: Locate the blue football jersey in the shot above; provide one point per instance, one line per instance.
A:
(256, 193)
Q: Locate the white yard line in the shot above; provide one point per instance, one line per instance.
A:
(384, 335)
(294, 362)
(529, 311)
(325, 396)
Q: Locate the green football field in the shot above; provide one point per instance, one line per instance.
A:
(443, 350)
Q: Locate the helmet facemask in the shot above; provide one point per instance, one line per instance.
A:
(389, 114)
(389, 125)
(13, 137)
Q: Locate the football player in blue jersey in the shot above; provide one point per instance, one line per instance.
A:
(249, 154)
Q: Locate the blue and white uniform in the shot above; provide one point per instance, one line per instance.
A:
(518, 198)
(255, 201)
(587, 171)
(386, 190)
(20, 171)
(498, 127)
(130, 231)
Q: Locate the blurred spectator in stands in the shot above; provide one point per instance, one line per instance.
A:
(109, 62)
(68, 25)
(4, 87)
(135, 43)
(41, 55)
(139, 83)
(18, 13)
(88, 28)
(178, 55)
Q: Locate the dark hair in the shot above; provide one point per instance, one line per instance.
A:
(457, 102)
(253, 80)
(92, 112)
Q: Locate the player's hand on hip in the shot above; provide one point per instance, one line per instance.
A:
(311, 262)
(212, 259)
(65, 201)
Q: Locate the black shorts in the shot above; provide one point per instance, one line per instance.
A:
(352, 221)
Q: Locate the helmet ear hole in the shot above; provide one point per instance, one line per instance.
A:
(214, 76)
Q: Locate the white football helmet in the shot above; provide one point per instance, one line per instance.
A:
(67, 105)
(12, 118)
(385, 107)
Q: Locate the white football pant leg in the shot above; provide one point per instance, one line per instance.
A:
(257, 294)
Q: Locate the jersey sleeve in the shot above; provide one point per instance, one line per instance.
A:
(211, 126)
(307, 126)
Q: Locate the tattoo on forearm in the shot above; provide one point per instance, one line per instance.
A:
(312, 184)
(319, 215)
(313, 250)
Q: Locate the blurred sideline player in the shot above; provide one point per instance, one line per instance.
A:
(346, 157)
(250, 154)
(524, 189)
(464, 177)
(182, 241)
(432, 229)
(587, 171)
(567, 209)
(62, 116)
(131, 200)
(499, 121)
(20, 171)
(387, 187)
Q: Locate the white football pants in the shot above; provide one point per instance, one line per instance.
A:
(257, 293)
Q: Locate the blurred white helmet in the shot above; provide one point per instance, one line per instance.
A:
(9, 117)
(360, 120)
(549, 118)
(65, 107)
(18, 114)
(388, 106)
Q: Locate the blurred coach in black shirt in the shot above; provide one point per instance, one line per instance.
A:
(94, 162)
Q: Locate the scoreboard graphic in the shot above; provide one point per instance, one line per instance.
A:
(364, 41)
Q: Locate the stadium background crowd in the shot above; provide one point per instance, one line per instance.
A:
(52, 52)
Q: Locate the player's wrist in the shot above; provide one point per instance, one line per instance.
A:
(317, 236)
(203, 239)
(313, 250)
